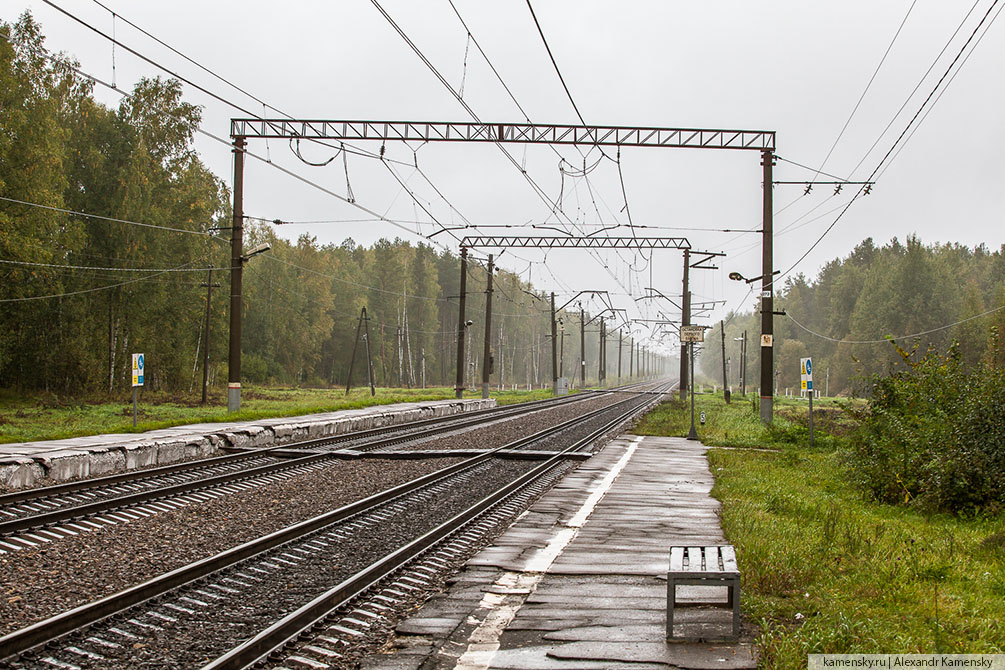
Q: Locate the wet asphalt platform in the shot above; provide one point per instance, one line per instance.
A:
(579, 581)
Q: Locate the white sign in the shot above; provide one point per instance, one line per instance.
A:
(692, 334)
(137, 369)
(806, 374)
(766, 340)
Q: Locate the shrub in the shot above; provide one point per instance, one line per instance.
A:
(933, 434)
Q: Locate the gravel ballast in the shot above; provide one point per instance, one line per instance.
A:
(57, 576)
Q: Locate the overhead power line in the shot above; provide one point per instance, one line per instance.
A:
(867, 87)
(534, 185)
(898, 337)
(113, 40)
(247, 152)
(92, 290)
(104, 218)
(900, 137)
(105, 269)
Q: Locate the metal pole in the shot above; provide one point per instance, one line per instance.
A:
(554, 349)
(743, 365)
(236, 266)
(487, 358)
(767, 291)
(811, 417)
(685, 320)
(369, 362)
(352, 357)
(827, 384)
(134, 407)
(461, 325)
(205, 340)
(582, 347)
(725, 381)
(692, 434)
(561, 354)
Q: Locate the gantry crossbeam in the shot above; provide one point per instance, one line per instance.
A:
(525, 133)
(534, 242)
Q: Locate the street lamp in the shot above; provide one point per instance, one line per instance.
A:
(257, 249)
(736, 276)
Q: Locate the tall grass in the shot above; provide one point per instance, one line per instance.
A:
(826, 569)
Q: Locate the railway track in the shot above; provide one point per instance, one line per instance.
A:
(31, 518)
(239, 606)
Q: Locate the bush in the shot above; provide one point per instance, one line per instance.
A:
(933, 435)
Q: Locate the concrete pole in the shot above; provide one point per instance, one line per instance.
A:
(554, 349)
(767, 291)
(685, 320)
(725, 381)
(621, 341)
(236, 266)
(582, 347)
(487, 358)
(461, 325)
(205, 340)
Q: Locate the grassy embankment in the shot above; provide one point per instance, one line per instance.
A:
(25, 418)
(826, 570)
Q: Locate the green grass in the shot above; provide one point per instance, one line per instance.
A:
(738, 424)
(826, 570)
(26, 418)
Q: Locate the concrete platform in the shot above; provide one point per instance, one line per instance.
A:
(579, 581)
(27, 464)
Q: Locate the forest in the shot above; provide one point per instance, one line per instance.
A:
(111, 228)
(850, 316)
(113, 233)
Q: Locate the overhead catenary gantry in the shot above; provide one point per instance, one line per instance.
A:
(762, 141)
(640, 243)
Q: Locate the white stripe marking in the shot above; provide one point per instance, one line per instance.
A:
(483, 643)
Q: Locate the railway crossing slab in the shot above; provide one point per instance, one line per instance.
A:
(579, 581)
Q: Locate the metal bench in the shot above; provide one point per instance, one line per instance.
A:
(703, 566)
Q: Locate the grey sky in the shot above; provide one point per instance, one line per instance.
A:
(794, 67)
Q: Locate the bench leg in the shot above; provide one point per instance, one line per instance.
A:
(671, 603)
(734, 600)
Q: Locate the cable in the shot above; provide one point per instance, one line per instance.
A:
(89, 267)
(807, 167)
(910, 123)
(536, 187)
(867, 86)
(941, 93)
(917, 86)
(90, 290)
(350, 199)
(899, 337)
(104, 218)
(554, 63)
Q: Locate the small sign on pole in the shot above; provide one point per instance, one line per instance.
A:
(692, 333)
(806, 383)
(138, 367)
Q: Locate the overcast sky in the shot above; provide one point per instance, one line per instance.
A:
(796, 67)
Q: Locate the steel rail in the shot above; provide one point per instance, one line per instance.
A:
(36, 521)
(276, 636)
(48, 630)
(29, 495)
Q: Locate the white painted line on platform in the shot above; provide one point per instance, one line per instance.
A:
(483, 643)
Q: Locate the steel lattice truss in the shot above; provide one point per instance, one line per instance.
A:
(526, 133)
(533, 242)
